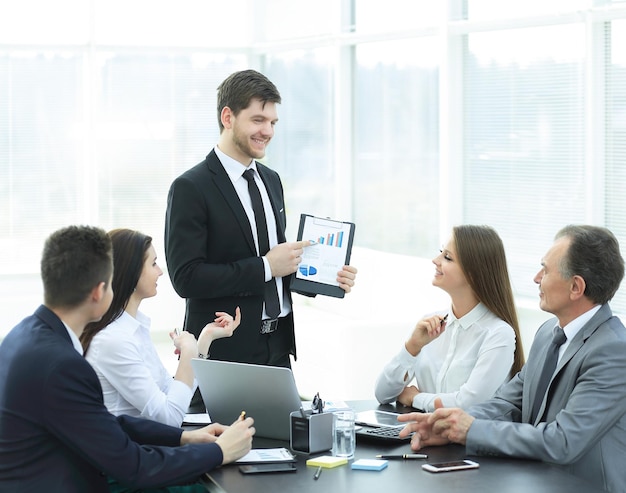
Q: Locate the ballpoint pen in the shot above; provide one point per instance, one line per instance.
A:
(242, 416)
(443, 320)
(403, 456)
(316, 476)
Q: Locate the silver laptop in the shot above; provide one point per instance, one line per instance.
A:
(266, 393)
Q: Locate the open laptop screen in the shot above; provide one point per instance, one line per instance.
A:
(266, 393)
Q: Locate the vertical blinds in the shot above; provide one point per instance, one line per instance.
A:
(524, 150)
(100, 146)
(40, 156)
(615, 199)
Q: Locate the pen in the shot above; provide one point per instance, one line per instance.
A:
(443, 319)
(177, 331)
(302, 412)
(316, 476)
(403, 456)
(242, 416)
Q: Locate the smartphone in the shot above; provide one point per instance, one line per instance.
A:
(261, 468)
(456, 465)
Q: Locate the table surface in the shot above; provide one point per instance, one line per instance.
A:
(501, 475)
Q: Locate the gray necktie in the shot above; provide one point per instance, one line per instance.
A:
(549, 366)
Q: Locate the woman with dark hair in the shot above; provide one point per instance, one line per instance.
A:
(134, 380)
(465, 354)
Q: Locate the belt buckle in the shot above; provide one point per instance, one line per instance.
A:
(269, 326)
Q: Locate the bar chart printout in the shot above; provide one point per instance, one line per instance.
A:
(331, 239)
(322, 261)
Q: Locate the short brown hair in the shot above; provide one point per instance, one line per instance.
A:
(75, 259)
(239, 89)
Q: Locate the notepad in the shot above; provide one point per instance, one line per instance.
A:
(327, 461)
(370, 464)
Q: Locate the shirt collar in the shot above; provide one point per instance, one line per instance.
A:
(573, 328)
(135, 323)
(234, 169)
(469, 319)
(75, 340)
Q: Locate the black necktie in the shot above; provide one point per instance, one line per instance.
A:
(549, 366)
(272, 304)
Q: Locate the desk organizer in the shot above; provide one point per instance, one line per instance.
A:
(311, 433)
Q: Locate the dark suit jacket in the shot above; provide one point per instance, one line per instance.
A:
(212, 260)
(56, 435)
(585, 413)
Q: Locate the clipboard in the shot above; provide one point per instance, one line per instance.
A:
(317, 273)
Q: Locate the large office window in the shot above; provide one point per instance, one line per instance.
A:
(395, 116)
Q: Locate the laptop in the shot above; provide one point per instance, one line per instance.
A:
(266, 393)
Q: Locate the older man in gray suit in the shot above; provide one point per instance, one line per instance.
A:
(578, 420)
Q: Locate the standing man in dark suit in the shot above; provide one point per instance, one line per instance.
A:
(56, 435)
(215, 233)
(571, 412)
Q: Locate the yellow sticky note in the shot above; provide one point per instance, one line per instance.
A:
(327, 461)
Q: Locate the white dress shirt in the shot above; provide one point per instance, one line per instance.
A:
(465, 365)
(573, 328)
(234, 169)
(133, 378)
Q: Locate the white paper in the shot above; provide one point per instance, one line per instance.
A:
(267, 455)
(197, 419)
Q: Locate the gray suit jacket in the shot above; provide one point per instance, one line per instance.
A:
(584, 426)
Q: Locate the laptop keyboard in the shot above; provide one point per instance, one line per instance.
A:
(386, 432)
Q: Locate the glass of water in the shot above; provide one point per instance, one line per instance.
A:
(344, 439)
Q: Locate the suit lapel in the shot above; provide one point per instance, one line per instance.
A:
(574, 346)
(225, 187)
(601, 316)
(275, 194)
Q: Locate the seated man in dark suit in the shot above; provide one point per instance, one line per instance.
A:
(56, 435)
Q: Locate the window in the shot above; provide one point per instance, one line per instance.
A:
(396, 174)
(302, 148)
(616, 141)
(405, 119)
(524, 165)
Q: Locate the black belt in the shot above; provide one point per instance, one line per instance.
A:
(269, 326)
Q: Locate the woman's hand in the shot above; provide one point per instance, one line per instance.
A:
(223, 326)
(407, 395)
(184, 342)
(425, 331)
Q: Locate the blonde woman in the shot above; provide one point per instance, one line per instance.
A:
(464, 354)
